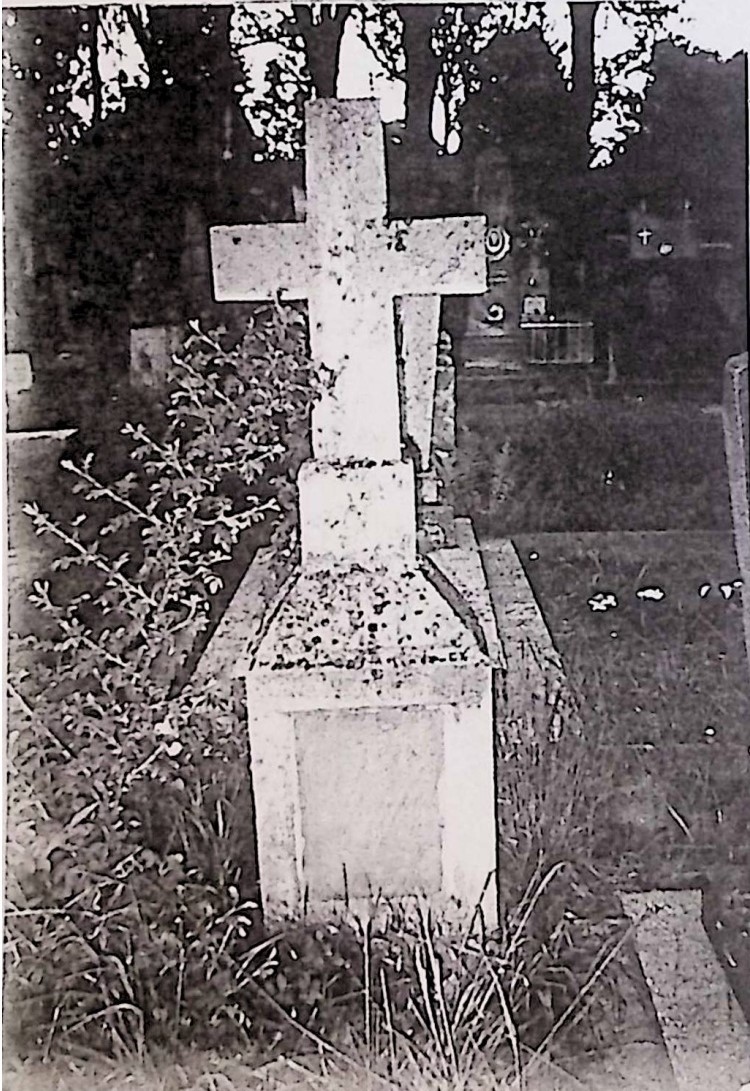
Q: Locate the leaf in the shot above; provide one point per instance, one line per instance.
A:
(82, 815)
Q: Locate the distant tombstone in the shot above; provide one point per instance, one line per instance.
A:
(369, 692)
(517, 270)
(534, 308)
(737, 447)
(496, 312)
(19, 380)
(33, 466)
(18, 373)
(151, 351)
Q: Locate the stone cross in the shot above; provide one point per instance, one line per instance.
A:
(365, 672)
(350, 262)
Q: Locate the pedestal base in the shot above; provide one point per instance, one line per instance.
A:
(371, 732)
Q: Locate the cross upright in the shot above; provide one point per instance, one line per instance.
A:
(349, 261)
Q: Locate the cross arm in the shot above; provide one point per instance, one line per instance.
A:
(442, 256)
(259, 261)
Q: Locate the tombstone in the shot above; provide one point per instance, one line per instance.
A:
(33, 467)
(429, 416)
(517, 271)
(494, 315)
(19, 375)
(737, 447)
(369, 688)
(24, 395)
(151, 351)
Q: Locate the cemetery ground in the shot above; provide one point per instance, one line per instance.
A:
(649, 627)
(648, 618)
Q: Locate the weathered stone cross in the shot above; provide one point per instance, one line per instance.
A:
(365, 671)
(350, 262)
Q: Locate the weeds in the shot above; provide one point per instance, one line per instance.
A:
(130, 913)
(132, 923)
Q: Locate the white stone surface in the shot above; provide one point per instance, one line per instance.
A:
(350, 263)
(344, 618)
(533, 676)
(704, 1029)
(388, 768)
(364, 514)
(468, 805)
(420, 330)
(19, 375)
(386, 797)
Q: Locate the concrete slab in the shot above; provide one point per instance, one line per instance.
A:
(533, 676)
(705, 1033)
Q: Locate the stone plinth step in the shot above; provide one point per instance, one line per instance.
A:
(706, 1035)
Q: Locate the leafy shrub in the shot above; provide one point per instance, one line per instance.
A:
(130, 910)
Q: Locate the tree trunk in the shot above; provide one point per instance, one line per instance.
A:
(583, 72)
(422, 69)
(322, 40)
(96, 77)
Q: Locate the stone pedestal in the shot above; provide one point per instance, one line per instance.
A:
(371, 736)
(19, 380)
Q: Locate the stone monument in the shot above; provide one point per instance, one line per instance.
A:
(518, 279)
(369, 687)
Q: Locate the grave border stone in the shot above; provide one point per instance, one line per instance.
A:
(737, 450)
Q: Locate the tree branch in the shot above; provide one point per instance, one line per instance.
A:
(96, 76)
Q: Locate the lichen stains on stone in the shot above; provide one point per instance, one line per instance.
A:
(353, 619)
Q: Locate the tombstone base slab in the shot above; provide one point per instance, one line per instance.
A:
(371, 733)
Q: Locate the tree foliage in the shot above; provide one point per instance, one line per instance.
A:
(84, 63)
(458, 38)
(626, 34)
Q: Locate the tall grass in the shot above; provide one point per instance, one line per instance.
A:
(403, 996)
